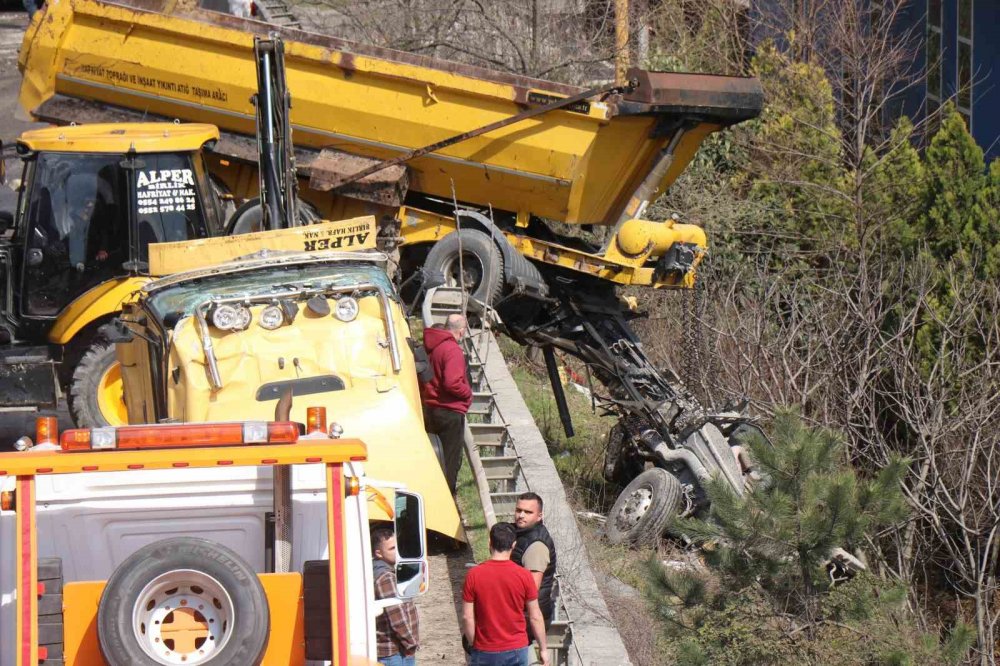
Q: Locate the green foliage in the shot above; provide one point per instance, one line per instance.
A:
(892, 189)
(766, 597)
(781, 533)
(960, 218)
(796, 163)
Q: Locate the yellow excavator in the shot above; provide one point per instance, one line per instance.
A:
(92, 200)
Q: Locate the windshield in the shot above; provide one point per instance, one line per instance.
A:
(182, 299)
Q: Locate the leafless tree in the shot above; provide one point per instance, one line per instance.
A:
(565, 40)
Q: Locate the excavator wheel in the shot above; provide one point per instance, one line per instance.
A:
(645, 508)
(249, 217)
(480, 270)
(96, 397)
(183, 600)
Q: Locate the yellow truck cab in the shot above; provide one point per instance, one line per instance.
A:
(228, 339)
(143, 545)
(92, 199)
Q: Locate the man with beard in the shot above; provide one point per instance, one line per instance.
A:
(534, 549)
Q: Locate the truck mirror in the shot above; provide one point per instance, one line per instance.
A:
(411, 578)
(409, 525)
(6, 220)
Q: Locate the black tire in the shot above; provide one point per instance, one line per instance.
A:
(249, 217)
(482, 263)
(246, 633)
(50, 613)
(85, 384)
(643, 511)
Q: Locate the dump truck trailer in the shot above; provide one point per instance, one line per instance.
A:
(597, 161)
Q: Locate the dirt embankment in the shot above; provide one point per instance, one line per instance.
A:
(441, 609)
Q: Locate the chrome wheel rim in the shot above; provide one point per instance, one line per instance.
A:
(183, 617)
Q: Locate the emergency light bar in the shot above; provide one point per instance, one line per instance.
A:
(180, 435)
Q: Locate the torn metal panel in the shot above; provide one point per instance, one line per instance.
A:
(725, 99)
(387, 186)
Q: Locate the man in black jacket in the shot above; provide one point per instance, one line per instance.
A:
(534, 549)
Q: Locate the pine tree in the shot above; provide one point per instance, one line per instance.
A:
(961, 218)
(767, 596)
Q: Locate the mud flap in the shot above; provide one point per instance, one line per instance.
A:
(28, 378)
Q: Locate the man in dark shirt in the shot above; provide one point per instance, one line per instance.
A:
(535, 550)
(397, 629)
(495, 599)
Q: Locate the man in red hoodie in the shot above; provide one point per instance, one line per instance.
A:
(448, 395)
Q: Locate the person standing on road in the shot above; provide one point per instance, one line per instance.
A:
(397, 629)
(447, 395)
(496, 597)
(535, 550)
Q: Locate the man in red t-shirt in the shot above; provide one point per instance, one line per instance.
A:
(496, 597)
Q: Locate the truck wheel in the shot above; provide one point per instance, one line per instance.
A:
(249, 217)
(50, 610)
(183, 601)
(481, 266)
(645, 508)
(96, 397)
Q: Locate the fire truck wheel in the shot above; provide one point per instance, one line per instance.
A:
(183, 601)
(645, 508)
(95, 393)
(480, 268)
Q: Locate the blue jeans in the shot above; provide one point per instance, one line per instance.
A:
(30, 7)
(398, 660)
(518, 657)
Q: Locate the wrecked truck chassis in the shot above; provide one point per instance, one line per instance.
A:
(658, 420)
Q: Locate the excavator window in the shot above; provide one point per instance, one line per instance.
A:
(76, 231)
(169, 201)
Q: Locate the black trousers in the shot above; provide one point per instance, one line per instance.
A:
(449, 426)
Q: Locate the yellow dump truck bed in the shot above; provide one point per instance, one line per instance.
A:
(577, 166)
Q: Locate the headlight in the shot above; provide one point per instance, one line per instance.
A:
(347, 309)
(225, 317)
(242, 318)
(271, 317)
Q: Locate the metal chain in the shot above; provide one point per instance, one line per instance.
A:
(696, 356)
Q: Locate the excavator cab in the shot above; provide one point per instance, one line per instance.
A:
(91, 200)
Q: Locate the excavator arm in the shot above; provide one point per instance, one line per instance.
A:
(276, 156)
